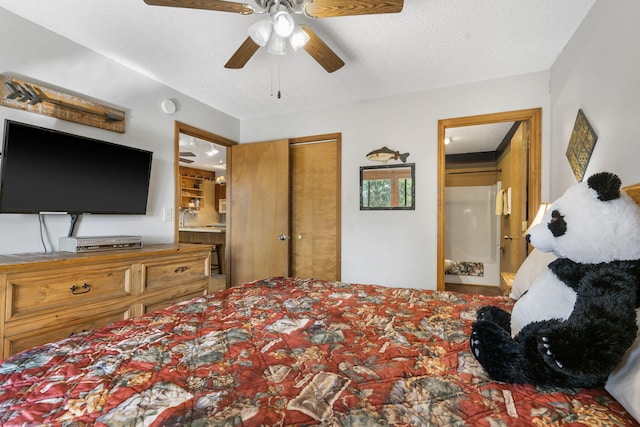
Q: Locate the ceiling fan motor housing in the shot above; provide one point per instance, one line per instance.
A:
(290, 5)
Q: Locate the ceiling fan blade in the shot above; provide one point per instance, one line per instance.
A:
(243, 54)
(331, 8)
(218, 5)
(321, 52)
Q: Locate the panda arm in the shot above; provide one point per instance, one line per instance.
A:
(632, 267)
(601, 328)
(569, 272)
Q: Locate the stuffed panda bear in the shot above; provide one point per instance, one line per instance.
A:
(574, 324)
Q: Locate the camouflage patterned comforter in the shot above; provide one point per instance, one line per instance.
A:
(287, 352)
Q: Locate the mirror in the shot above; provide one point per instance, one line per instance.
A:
(387, 187)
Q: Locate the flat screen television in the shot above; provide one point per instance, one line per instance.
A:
(50, 171)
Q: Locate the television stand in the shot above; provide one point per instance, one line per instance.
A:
(72, 227)
(45, 297)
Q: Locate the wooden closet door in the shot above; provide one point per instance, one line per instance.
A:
(258, 206)
(315, 209)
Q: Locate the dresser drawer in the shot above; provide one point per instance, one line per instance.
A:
(16, 343)
(176, 271)
(152, 306)
(30, 294)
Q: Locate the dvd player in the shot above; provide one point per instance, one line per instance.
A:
(99, 243)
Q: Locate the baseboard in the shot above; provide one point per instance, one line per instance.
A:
(473, 289)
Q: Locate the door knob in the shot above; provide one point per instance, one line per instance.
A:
(283, 237)
(299, 236)
(508, 238)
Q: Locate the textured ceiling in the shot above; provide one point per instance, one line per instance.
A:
(476, 139)
(430, 44)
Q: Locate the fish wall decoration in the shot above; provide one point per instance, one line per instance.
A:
(385, 154)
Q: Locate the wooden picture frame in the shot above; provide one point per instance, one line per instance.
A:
(583, 140)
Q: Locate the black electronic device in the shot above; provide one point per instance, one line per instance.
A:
(48, 171)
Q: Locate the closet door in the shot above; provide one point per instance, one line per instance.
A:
(315, 208)
(258, 205)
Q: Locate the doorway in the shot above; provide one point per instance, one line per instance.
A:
(200, 185)
(529, 119)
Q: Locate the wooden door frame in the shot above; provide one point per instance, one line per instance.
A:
(178, 128)
(534, 119)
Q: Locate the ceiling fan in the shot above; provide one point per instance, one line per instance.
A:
(183, 154)
(279, 32)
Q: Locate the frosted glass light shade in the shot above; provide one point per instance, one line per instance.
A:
(260, 32)
(299, 38)
(277, 45)
(276, 31)
(283, 24)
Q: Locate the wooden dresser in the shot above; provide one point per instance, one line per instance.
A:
(49, 296)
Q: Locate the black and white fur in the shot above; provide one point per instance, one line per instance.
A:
(572, 327)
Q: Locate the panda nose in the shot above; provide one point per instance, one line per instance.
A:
(528, 238)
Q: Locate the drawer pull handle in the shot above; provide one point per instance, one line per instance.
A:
(181, 269)
(78, 290)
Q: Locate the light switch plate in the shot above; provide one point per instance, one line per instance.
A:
(167, 214)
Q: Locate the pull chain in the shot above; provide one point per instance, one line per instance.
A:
(275, 77)
(279, 93)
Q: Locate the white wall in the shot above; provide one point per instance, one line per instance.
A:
(395, 248)
(599, 71)
(37, 55)
(398, 248)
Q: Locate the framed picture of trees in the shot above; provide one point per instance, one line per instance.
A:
(387, 187)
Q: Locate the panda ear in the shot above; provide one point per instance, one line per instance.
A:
(606, 184)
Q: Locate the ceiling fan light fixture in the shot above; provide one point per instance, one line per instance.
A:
(277, 45)
(260, 32)
(299, 38)
(283, 24)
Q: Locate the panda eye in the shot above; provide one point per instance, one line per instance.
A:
(557, 225)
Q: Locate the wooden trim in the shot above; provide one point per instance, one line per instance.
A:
(317, 138)
(338, 138)
(532, 117)
(203, 134)
(634, 192)
(178, 128)
(462, 177)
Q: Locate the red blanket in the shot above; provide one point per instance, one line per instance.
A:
(287, 352)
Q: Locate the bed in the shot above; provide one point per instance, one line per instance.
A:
(288, 352)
